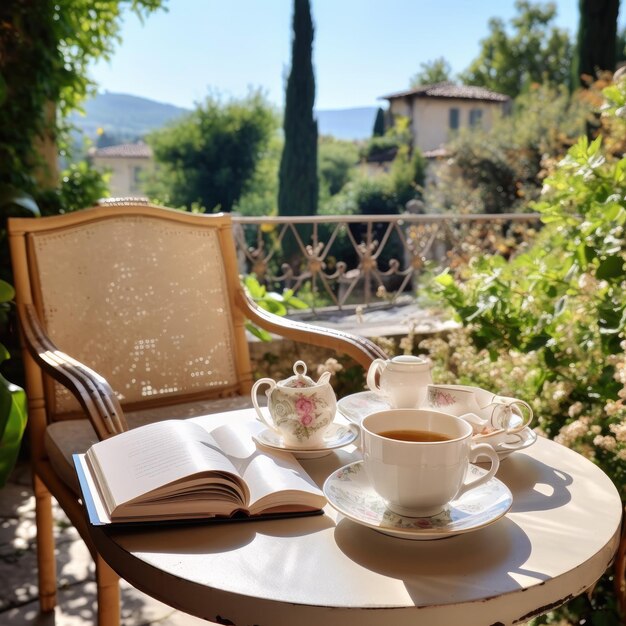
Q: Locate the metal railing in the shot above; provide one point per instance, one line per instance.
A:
(341, 262)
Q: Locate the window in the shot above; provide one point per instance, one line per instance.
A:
(475, 117)
(454, 119)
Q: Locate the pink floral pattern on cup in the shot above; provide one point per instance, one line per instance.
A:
(438, 398)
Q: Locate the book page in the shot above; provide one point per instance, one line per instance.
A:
(141, 461)
(274, 478)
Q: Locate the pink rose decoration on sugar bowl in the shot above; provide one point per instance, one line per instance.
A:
(300, 409)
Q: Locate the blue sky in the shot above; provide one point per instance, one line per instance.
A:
(363, 49)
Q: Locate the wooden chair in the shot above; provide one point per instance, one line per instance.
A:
(129, 313)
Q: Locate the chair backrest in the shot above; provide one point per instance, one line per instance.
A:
(141, 294)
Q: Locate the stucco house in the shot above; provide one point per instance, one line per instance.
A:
(437, 111)
(127, 163)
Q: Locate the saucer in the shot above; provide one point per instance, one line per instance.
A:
(356, 406)
(337, 436)
(348, 490)
(504, 444)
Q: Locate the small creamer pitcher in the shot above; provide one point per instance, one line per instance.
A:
(401, 381)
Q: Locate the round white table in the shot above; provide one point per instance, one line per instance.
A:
(557, 540)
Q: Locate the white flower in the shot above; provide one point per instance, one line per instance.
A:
(575, 409)
(331, 365)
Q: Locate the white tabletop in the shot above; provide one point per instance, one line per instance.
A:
(556, 541)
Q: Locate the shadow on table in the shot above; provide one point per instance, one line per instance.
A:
(536, 485)
(431, 569)
(211, 537)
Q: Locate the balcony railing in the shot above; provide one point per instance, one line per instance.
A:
(343, 262)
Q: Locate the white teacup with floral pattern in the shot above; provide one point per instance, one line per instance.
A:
(300, 409)
(486, 411)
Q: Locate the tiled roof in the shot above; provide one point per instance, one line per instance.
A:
(127, 150)
(450, 90)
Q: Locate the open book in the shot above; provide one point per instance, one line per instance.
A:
(175, 470)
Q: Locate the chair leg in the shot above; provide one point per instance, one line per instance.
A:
(108, 583)
(46, 562)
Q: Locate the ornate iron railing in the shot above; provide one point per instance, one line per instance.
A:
(348, 261)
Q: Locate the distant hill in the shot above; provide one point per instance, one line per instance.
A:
(132, 117)
(355, 123)
(124, 115)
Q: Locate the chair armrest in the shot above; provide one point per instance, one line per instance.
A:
(91, 390)
(361, 349)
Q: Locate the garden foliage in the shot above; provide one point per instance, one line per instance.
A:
(563, 303)
(208, 157)
(533, 50)
(548, 325)
(502, 169)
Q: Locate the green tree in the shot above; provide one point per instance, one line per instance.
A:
(596, 45)
(431, 72)
(379, 123)
(208, 158)
(337, 160)
(45, 49)
(535, 52)
(298, 183)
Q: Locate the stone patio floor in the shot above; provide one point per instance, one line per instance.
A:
(76, 599)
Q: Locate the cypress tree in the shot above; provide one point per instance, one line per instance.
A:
(379, 123)
(298, 183)
(597, 39)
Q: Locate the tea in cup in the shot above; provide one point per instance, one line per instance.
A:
(417, 459)
(487, 411)
(300, 409)
(401, 381)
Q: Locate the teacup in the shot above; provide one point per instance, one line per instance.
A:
(417, 459)
(485, 410)
(401, 381)
(300, 409)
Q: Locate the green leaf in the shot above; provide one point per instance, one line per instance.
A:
(272, 306)
(10, 196)
(296, 303)
(444, 279)
(13, 417)
(255, 289)
(260, 333)
(7, 293)
(585, 254)
(611, 267)
(560, 305)
(537, 342)
(550, 358)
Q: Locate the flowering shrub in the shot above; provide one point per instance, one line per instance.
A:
(550, 323)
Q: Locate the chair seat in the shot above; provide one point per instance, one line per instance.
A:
(65, 438)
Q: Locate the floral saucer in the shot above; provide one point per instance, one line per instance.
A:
(348, 490)
(337, 436)
(356, 406)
